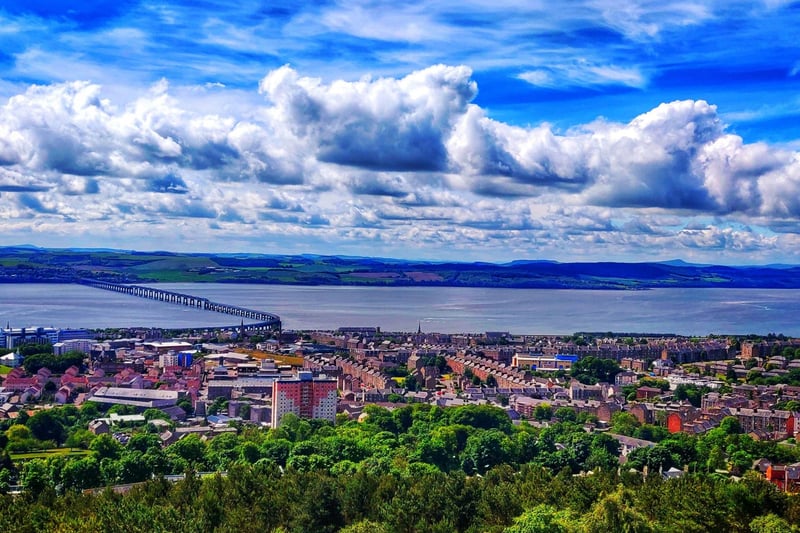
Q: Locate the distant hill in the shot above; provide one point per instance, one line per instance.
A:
(26, 264)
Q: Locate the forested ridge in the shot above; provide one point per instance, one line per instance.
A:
(415, 469)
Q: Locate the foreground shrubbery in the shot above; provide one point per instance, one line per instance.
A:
(415, 469)
(260, 498)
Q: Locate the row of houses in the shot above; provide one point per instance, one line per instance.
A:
(603, 410)
(678, 349)
(765, 348)
(350, 375)
(504, 375)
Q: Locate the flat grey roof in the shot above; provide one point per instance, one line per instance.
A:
(135, 394)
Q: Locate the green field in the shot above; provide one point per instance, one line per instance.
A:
(52, 452)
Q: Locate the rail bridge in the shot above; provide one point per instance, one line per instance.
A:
(263, 319)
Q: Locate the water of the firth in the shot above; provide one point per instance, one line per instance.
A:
(443, 309)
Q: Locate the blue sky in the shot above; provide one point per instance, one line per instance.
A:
(587, 131)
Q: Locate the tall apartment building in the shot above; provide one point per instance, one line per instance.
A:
(304, 396)
(73, 345)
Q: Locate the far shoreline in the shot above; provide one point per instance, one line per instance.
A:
(582, 287)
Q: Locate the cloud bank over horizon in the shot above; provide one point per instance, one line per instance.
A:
(446, 129)
(407, 166)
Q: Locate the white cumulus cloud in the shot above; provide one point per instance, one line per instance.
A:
(398, 161)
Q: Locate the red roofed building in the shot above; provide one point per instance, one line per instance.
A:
(785, 477)
(305, 397)
(644, 393)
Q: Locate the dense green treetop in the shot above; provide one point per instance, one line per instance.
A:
(416, 468)
(590, 370)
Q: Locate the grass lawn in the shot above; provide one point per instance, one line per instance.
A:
(4, 370)
(44, 454)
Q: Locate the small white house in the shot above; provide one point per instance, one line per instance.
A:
(12, 360)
